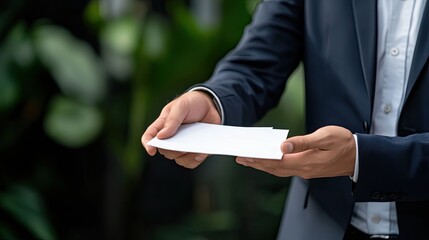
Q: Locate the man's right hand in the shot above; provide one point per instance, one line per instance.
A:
(194, 106)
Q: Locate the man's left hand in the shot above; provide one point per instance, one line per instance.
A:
(328, 152)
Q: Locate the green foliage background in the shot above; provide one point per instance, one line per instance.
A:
(74, 103)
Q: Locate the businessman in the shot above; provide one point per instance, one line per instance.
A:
(362, 172)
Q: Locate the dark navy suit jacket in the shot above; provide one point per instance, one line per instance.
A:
(336, 41)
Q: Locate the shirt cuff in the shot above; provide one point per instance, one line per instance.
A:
(216, 100)
(356, 171)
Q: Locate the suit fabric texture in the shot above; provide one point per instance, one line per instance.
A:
(336, 41)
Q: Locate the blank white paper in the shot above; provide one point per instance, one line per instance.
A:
(253, 142)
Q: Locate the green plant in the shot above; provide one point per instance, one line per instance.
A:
(25, 207)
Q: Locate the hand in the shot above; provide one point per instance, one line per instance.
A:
(328, 152)
(195, 106)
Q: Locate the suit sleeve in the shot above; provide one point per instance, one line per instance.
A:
(250, 80)
(393, 168)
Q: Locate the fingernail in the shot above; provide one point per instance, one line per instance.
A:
(199, 158)
(289, 147)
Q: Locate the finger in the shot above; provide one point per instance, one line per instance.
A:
(298, 161)
(191, 160)
(263, 167)
(170, 154)
(150, 133)
(260, 163)
(300, 143)
(174, 120)
(200, 157)
(290, 164)
(176, 154)
(268, 163)
(244, 159)
(251, 163)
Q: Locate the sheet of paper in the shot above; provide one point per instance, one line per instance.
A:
(254, 142)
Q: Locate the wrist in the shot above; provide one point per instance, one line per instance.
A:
(213, 110)
(214, 99)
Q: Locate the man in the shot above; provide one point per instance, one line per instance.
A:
(367, 96)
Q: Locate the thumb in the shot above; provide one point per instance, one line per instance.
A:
(298, 144)
(169, 129)
(174, 120)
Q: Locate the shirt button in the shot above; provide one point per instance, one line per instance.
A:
(394, 51)
(387, 108)
(376, 219)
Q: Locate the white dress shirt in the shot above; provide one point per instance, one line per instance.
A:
(398, 27)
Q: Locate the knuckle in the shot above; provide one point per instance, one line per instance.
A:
(165, 110)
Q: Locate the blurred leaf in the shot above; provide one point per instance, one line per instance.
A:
(184, 18)
(119, 40)
(72, 62)
(187, 25)
(24, 204)
(235, 16)
(92, 14)
(9, 90)
(18, 46)
(23, 53)
(121, 35)
(71, 123)
(155, 37)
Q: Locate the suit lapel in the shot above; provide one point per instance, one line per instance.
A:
(365, 17)
(421, 52)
